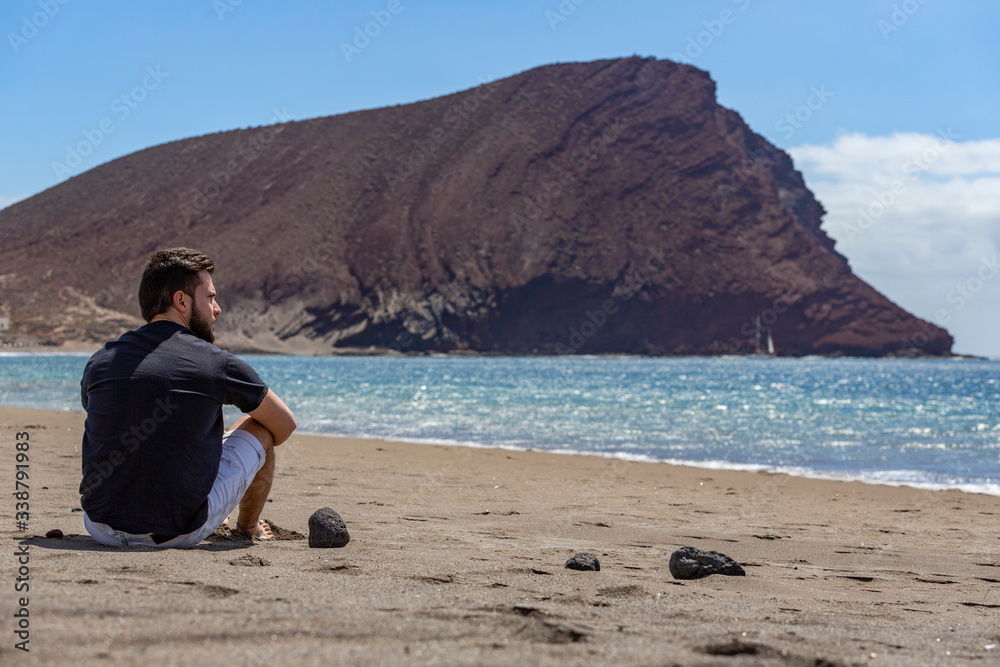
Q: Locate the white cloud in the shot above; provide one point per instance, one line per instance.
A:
(917, 215)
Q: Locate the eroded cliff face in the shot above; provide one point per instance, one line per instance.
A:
(611, 206)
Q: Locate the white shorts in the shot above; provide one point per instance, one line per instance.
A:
(242, 457)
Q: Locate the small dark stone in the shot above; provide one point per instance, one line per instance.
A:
(327, 529)
(55, 533)
(584, 561)
(692, 563)
(76, 509)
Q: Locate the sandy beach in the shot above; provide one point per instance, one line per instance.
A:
(457, 557)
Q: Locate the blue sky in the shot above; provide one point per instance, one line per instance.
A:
(899, 80)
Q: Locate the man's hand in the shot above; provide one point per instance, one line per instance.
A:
(275, 416)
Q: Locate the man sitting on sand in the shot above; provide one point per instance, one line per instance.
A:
(157, 467)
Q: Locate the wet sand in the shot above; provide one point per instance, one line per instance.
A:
(457, 554)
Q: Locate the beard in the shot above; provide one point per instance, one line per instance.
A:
(202, 325)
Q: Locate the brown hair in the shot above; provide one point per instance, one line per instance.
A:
(166, 272)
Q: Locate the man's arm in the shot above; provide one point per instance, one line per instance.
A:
(275, 416)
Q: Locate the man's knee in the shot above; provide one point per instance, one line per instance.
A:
(257, 430)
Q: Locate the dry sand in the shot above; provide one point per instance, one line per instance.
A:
(457, 554)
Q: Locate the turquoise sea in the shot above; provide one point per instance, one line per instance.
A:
(928, 423)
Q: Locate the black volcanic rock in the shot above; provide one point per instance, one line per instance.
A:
(610, 206)
(584, 561)
(693, 563)
(327, 529)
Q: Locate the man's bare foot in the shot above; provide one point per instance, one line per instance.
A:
(262, 531)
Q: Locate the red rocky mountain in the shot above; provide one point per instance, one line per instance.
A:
(603, 207)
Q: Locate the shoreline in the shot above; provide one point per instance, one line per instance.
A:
(80, 347)
(457, 553)
(986, 489)
(751, 468)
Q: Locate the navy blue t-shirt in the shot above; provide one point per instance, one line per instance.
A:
(153, 436)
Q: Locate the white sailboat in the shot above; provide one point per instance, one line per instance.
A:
(770, 342)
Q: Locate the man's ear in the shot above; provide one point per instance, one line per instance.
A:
(181, 301)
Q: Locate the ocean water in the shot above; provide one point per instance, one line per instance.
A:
(927, 423)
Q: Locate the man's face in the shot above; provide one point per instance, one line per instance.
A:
(205, 310)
